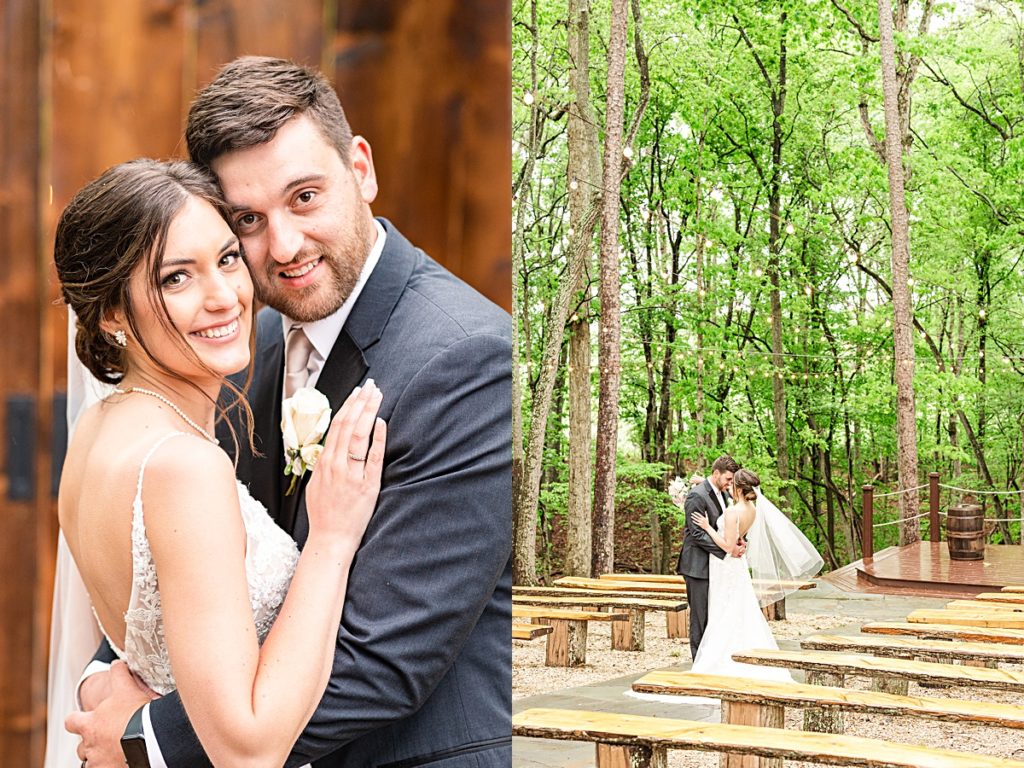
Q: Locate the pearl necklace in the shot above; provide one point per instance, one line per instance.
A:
(173, 407)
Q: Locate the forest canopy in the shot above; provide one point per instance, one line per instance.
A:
(754, 259)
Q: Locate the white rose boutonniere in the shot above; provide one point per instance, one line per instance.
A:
(305, 417)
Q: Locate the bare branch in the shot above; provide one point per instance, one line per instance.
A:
(867, 38)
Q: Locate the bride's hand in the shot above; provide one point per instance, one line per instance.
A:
(343, 490)
(701, 521)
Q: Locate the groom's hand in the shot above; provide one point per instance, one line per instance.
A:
(102, 727)
(739, 548)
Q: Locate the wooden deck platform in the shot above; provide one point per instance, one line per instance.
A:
(924, 569)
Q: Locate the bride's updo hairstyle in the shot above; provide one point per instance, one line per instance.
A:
(112, 225)
(745, 482)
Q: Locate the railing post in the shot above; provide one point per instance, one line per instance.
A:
(933, 507)
(867, 522)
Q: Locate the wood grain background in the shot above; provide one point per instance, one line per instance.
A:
(85, 84)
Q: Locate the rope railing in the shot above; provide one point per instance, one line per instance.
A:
(900, 520)
(979, 492)
(934, 513)
(900, 491)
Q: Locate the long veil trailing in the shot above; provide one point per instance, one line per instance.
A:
(778, 554)
(74, 634)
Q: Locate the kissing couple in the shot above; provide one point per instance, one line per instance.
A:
(264, 611)
(739, 554)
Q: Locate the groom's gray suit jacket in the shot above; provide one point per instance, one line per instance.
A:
(698, 544)
(422, 667)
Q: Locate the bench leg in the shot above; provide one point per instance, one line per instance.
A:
(678, 624)
(820, 719)
(776, 611)
(763, 715)
(938, 659)
(615, 756)
(893, 685)
(628, 635)
(567, 644)
(987, 664)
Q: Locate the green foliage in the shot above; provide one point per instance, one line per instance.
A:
(701, 175)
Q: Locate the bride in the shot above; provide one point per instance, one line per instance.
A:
(242, 625)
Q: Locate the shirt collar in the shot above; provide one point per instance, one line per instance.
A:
(323, 333)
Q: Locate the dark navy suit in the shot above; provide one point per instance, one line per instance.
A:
(693, 557)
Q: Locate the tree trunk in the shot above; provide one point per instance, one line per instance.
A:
(903, 330)
(524, 511)
(582, 147)
(610, 326)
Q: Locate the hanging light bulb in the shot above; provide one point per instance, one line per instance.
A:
(790, 230)
(528, 98)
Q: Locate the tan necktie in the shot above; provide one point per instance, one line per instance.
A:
(297, 351)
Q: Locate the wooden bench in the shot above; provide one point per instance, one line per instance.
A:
(670, 578)
(665, 578)
(832, 668)
(1012, 588)
(583, 592)
(903, 648)
(643, 742)
(677, 623)
(1001, 597)
(946, 632)
(761, 702)
(627, 634)
(983, 605)
(1002, 620)
(567, 641)
(632, 585)
(530, 631)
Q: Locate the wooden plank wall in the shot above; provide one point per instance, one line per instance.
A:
(85, 84)
(417, 75)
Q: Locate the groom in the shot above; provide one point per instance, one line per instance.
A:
(422, 667)
(708, 498)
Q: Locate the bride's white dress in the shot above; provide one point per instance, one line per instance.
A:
(735, 621)
(270, 560)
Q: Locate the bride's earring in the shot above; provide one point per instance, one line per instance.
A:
(121, 338)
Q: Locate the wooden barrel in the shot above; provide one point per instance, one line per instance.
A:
(965, 532)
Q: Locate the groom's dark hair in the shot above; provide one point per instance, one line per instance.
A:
(725, 463)
(251, 98)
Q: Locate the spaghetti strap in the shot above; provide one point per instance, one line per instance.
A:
(145, 461)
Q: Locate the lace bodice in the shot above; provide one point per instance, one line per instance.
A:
(270, 560)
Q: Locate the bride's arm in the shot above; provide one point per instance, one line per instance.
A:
(702, 522)
(249, 703)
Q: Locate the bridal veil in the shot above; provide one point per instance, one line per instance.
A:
(74, 633)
